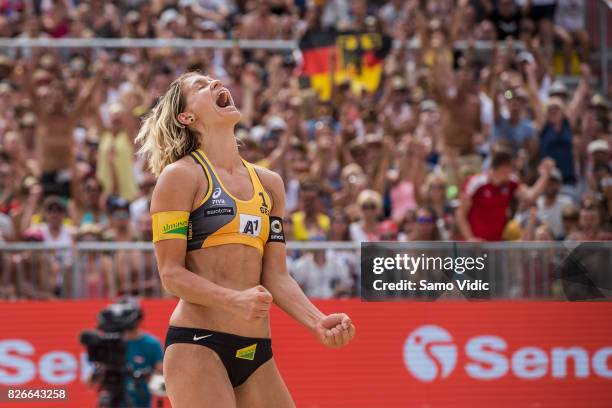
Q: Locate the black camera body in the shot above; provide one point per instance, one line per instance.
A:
(106, 347)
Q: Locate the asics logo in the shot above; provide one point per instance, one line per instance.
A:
(216, 193)
(429, 353)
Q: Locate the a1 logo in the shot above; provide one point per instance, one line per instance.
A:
(250, 224)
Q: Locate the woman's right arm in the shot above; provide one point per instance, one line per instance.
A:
(176, 191)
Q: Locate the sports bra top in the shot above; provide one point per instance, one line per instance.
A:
(222, 218)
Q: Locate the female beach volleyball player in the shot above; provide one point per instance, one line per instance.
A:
(219, 243)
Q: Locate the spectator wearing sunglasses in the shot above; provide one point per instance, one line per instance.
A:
(120, 228)
(87, 206)
(53, 229)
(366, 229)
(426, 226)
(311, 222)
(589, 224)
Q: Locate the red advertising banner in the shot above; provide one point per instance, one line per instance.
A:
(442, 354)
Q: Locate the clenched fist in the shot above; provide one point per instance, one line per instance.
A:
(253, 303)
(335, 330)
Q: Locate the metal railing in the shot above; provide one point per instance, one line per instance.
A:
(517, 270)
(275, 45)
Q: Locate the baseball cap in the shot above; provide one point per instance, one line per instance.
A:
(132, 16)
(398, 83)
(168, 16)
(5, 88)
(116, 203)
(54, 201)
(41, 75)
(428, 105)
(5, 61)
(598, 101)
(277, 123)
(599, 145)
(555, 101)
(373, 138)
(208, 25)
(558, 88)
(525, 56)
(187, 3)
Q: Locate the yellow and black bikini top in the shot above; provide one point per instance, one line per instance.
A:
(222, 218)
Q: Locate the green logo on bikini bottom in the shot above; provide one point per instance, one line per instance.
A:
(247, 353)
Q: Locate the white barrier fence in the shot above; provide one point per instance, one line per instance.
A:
(101, 269)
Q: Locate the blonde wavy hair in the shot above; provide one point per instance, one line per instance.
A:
(162, 137)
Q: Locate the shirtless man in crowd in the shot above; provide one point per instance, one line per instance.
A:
(57, 117)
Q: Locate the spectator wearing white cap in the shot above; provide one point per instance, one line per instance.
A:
(170, 24)
(599, 156)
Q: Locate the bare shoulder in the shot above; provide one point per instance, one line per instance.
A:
(273, 183)
(271, 180)
(176, 187)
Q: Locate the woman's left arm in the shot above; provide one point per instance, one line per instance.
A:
(334, 330)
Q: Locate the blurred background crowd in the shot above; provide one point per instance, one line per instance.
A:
(454, 141)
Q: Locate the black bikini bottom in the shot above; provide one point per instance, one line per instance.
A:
(241, 356)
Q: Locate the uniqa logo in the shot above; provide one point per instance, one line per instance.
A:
(429, 353)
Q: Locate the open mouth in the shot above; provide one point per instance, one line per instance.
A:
(223, 99)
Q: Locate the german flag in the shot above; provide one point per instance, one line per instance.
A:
(351, 55)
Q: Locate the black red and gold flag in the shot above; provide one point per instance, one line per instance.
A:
(357, 56)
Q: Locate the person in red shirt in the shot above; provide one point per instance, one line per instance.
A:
(485, 200)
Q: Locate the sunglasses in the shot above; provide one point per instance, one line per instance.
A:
(369, 207)
(55, 209)
(121, 215)
(424, 219)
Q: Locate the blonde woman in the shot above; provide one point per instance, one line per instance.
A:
(219, 244)
(371, 205)
(434, 194)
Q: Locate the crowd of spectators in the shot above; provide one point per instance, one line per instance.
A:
(455, 144)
